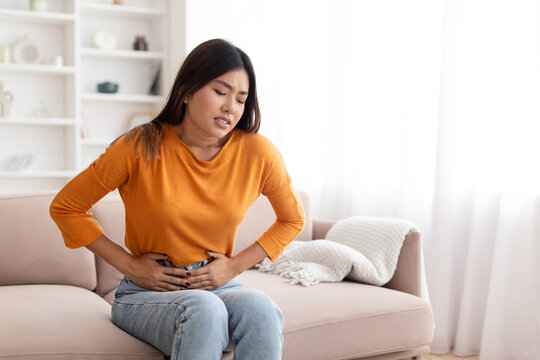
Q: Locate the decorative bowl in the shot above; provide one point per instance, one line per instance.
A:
(107, 87)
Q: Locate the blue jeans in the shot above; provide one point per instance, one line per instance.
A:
(199, 324)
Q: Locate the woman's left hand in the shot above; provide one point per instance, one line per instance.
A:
(213, 275)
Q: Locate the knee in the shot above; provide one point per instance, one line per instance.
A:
(260, 308)
(206, 308)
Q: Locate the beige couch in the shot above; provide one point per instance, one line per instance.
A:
(54, 302)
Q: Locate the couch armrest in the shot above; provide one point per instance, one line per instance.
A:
(407, 275)
(320, 228)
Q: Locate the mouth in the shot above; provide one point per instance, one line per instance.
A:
(223, 120)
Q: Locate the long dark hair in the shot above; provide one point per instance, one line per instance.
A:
(206, 62)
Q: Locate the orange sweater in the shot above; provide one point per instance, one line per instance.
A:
(180, 205)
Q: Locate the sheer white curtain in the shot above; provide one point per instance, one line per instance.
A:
(485, 246)
(420, 109)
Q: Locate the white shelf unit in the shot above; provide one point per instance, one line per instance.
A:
(148, 10)
(37, 69)
(106, 116)
(123, 54)
(118, 98)
(37, 121)
(100, 143)
(43, 124)
(37, 174)
(54, 106)
(36, 17)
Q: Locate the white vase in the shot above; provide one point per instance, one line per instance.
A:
(38, 5)
(5, 56)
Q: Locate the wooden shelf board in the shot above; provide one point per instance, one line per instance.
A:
(39, 121)
(120, 10)
(122, 98)
(38, 174)
(123, 54)
(48, 18)
(96, 142)
(38, 69)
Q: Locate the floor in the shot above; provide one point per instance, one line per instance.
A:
(448, 357)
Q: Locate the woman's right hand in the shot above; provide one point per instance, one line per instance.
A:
(143, 270)
(146, 272)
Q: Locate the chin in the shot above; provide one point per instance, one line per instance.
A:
(224, 132)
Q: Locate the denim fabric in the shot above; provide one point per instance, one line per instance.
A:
(199, 324)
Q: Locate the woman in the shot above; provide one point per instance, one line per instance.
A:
(187, 180)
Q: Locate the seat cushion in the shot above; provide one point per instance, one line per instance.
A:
(345, 320)
(62, 322)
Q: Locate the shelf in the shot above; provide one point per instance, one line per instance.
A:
(38, 69)
(48, 18)
(123, 54)
(122, 98)
(120, 10)
(39, 121)
(38, 174)
(96, 142)
(67, 30)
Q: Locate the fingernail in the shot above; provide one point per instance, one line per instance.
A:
(188, 283)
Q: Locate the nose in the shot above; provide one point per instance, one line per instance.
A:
(228, 106)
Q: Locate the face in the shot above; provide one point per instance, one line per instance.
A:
(215, 109)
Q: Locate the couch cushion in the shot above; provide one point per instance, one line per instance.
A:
(344, 320)
(33, 251)
(109, 212)
(62, 322)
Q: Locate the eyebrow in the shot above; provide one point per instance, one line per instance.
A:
(228, 86)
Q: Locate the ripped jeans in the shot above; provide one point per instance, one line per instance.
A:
(200, 324)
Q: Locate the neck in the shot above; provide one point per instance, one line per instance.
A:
(194, 138)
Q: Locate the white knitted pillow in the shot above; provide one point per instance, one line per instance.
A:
(378, 239)
(363, 249)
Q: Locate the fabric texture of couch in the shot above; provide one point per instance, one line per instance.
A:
(55, 302)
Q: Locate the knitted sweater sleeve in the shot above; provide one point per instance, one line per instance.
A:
(70, 208)
(290, 216)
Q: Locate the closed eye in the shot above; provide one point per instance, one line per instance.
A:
(240, 101)
(219, 92)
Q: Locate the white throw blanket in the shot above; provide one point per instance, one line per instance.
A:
(363, 249)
